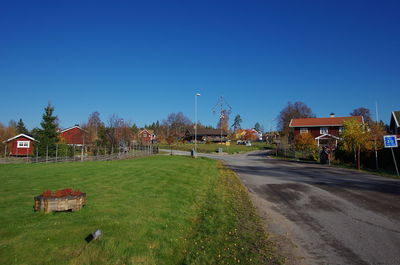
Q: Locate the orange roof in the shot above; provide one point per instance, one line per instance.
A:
(317, 122)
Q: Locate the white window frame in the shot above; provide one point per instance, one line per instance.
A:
(324, 130)
(303, 130)
(23, 144)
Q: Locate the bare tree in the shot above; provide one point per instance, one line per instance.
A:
(176, 123)
(92, 127)
(293, 111)
(224, 120)
(119, 132)
(364, 112)
(6, 133)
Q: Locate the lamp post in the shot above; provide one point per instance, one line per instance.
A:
(195, 124)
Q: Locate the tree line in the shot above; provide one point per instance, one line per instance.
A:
(111, 135)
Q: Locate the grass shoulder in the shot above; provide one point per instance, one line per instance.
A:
(228, 230)
(213, 147)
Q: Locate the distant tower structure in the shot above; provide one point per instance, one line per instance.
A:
(224, 110)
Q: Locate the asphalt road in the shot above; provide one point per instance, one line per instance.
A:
(323, 215)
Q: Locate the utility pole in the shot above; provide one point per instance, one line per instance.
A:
(376, 123)
(224, 111)
(195, 125)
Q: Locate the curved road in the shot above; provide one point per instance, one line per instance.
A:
(327, 215)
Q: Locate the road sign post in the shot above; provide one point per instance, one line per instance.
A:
(391, 142)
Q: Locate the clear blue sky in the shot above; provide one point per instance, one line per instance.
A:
(145, 59)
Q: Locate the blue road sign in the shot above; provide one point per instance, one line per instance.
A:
(390, 141)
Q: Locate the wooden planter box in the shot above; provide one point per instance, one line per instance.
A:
(54, 204)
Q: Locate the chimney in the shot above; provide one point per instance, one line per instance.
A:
(332, 115)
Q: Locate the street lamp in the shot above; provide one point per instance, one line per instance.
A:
(195, 124)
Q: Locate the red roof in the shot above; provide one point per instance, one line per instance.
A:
(317, 122)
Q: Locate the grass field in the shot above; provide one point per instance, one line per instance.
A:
(212, 148)
(157, 210)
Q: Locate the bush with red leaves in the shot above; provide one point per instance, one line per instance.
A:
(61, 193)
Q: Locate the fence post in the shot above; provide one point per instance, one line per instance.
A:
(47, 152)
(395, 163)
(5, 153)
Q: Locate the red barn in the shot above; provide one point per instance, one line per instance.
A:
(20, 145)
(74, 135)
(147, 136)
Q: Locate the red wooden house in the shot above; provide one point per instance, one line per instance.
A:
(20, 145)
(74, 135)
(394, 126)
(147, 136)
(323, 130)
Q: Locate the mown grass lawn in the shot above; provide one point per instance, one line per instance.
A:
(157, 210)
(212, 148)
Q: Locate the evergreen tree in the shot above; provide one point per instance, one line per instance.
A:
(258, 127)
(21, 127)
(236, 123)
(48, 135)
(135, 130)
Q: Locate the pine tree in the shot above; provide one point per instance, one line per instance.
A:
(48, 135)
(21, 127)
(258, 127)
(236, 123)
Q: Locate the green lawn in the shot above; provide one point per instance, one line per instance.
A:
(212, 148)
(155, 210)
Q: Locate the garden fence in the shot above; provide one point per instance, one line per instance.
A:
(135, 151)
(290, 152)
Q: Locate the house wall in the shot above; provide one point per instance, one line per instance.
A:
(315, 131)
(145, 137)
(15, 151)
(73, 136)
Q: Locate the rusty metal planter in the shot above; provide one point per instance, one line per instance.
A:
(56, 204)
